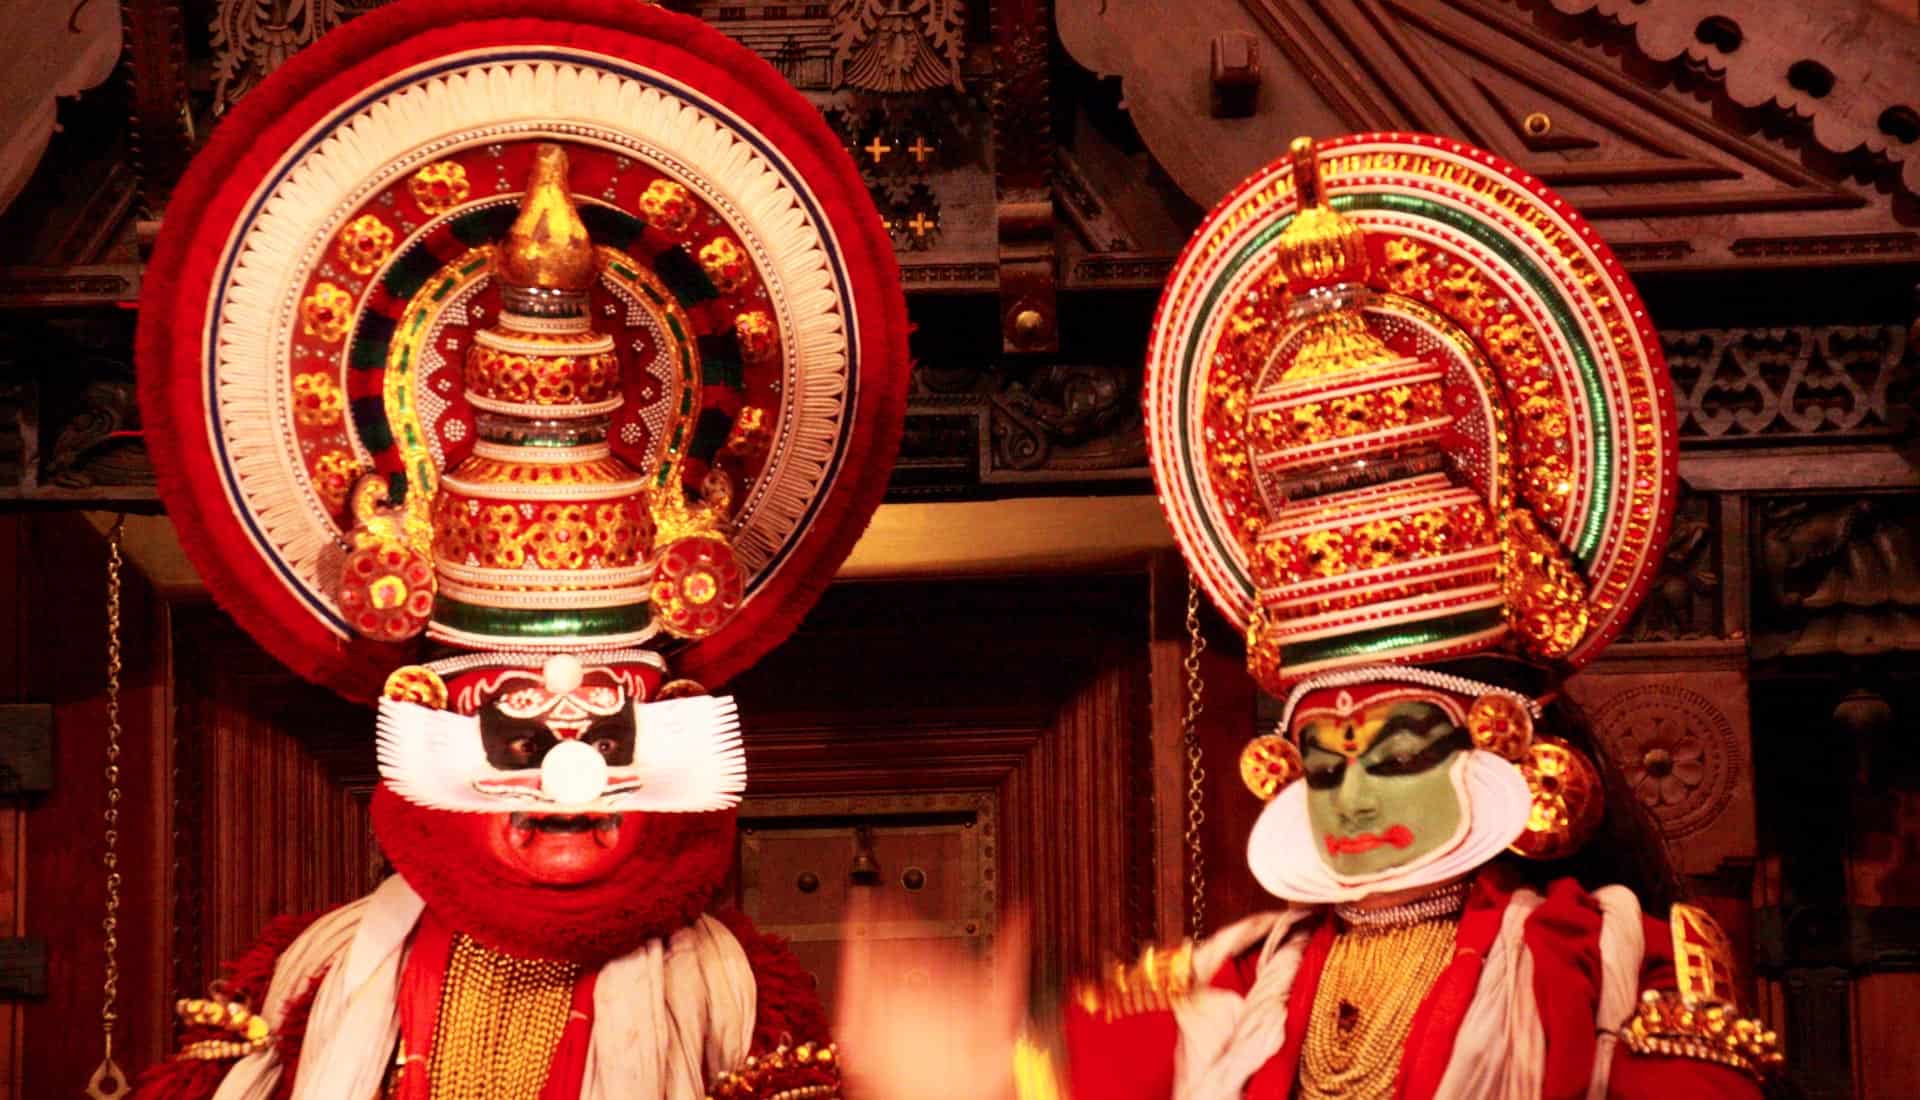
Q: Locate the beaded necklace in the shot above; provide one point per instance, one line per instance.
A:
(500, 1022)
(1381, 966)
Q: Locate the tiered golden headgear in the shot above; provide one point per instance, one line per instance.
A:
(522, 347)
(1403, 407)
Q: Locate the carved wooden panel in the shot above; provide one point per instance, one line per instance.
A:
(1029, 695)
(930, 861)
(1679, 736)
(270, 801)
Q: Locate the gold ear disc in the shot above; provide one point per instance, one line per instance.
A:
(1567, 800)
(417, 684)
(679, 689)
(1268, 764)
(1501, 725)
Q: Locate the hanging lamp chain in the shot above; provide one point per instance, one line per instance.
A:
(108, 1081)
(1196, 768)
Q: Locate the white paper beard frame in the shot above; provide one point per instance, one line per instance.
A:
(1284, 850)
(687, 758)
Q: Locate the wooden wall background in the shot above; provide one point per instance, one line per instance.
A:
(1054, 701)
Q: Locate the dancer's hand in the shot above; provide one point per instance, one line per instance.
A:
(921, 1021)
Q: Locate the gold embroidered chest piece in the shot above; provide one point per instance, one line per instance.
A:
(501, 1018)
(1375, 977)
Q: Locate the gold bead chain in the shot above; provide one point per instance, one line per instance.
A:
(1196, 769)
(501, 1018)
(1372, 985)
(109, 1082)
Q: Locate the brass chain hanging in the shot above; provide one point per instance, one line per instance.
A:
(108, 1081)
(1196, 769)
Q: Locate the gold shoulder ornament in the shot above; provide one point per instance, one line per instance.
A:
(250, 1032)
(1160, 977)
(1701, 1018)
(809, 1071)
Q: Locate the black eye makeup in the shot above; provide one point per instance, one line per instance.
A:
(514, 744)
(1323, 769)
(1405, 753)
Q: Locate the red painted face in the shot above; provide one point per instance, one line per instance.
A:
(562, 894)
(558, 851)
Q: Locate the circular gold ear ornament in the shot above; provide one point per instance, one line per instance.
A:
(1567, 800)
(1501, 724)
(1268, 764)
(679, 689)
(417, 684)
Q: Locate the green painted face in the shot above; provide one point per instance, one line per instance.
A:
(1379, 791)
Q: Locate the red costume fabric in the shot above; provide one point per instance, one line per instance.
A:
(1132, 1057)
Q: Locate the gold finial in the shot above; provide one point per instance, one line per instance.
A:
(1306, 172)
(548, 248)
(1321, 247)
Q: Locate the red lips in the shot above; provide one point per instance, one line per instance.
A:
(1399, 836)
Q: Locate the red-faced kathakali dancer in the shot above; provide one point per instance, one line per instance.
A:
(1414, 434)
(527, 366)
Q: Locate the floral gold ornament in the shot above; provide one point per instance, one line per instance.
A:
(325, 313)
(317, 400)
(1268, 764)
(386, 590)
(725, 264)
(493, 374)
(365, 244)
(334, 474)
(1568, 800)
(250, 1032)
(439, 187)
(751, 433)
(758, 341)
(697, 586)
(416, 684)
(667, 205)
(1501, 724)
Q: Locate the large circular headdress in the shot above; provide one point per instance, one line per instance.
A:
(521, 327)
(1403, 405)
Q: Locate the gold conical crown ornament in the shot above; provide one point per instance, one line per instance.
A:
(1321, 246)
(547, 248)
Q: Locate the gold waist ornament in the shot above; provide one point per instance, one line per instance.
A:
(1373, 982)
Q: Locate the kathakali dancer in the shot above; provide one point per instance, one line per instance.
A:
(1414, 433)
(526, 366)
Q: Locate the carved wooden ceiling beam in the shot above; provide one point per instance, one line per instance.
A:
(1787, 137)
(1023, 147)
(1850, 70)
